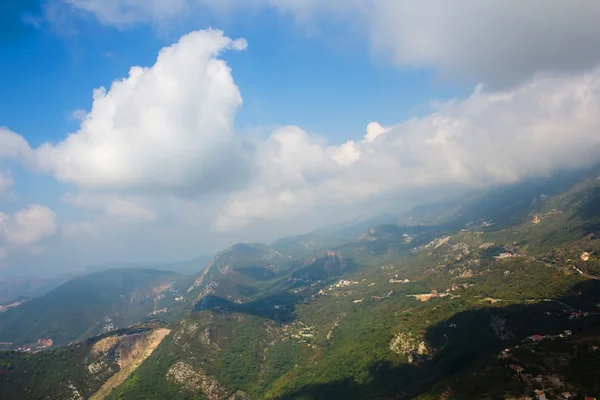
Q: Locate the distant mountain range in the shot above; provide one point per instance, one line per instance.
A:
(493, 295)
(93, 304)
(12, 289)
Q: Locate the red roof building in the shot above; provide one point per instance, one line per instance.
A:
(517, 368)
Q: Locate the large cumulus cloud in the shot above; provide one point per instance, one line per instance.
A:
(548, 123)
(164, 128)
(164, 138)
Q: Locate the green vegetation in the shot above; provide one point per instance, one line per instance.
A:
(89, 305)
(419, 310)
(64, 372)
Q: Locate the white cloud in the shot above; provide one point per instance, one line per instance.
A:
(79, 229)
(6, 182)
(114, 206)
(14, 147)
(78, 115)
(26, 228)
(374, 130)
(123, 13)
(126, 12)
(494, 41)
(161, 144)
(123, 209)
(167, 132)
(546, 124)
(166, 128)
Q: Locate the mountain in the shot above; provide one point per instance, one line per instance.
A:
(328, 237)
(89, 369)
(407, 311)
(12, 289)
(240, 271)
(186, 267)
(93, 304)
(493, 296)
(327, 264)
(507, 204)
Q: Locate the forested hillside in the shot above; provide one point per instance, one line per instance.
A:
(493, 301)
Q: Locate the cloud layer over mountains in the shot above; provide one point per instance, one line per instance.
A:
(168, 131)
(160, 146)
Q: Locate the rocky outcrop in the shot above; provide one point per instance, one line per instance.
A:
(415, 350)
(466, 274)
(76, 395)
(538, 217)
(336, 323)
(434, 244)
(195, 380)
(129, 351)
(239, 395)
(461, 250)
(11, 305)
(202, 276)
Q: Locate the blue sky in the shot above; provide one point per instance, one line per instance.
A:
(296, 153)
(284, 70)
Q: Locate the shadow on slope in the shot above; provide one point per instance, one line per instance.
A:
(589, 210)
(466, 348)
(279, 307)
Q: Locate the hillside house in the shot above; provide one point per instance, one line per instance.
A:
(539, 394)
(536, 338)
(503, 255)
(516, 368)
(575, 315)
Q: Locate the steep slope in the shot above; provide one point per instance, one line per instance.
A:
(84, 370)
(404, 312)
(131, 356)
(239, 272)
(506, 205)
(325, 265)
(93, 304)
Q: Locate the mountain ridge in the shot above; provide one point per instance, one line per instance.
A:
(396, 311)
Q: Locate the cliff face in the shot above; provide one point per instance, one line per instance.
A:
(129, 351)
(88, 370)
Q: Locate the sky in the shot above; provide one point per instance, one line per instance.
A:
(160, 130)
